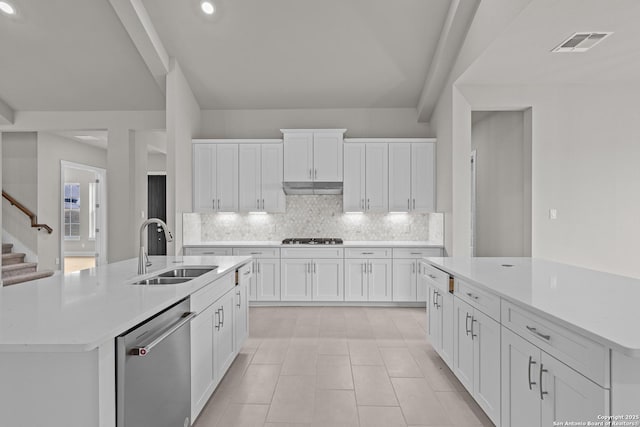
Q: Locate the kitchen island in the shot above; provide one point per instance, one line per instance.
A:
(57, 347)
(537, 342)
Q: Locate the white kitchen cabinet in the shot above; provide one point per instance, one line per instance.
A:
(313, 155)
(223, 335)
(434, 317)
(366, 179)
(260, 178)
(241, 307)
(476, 356)
(538, 389)
(367, 279)
(380, 279)
(328, 280)
(412, 177)
(296, 279)
(215, 177)
(405, 278)
(267, 277)
(306, 279)
(439, 311)
(202, 360)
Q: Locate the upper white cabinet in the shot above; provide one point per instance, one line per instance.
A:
(366, 178)
(412, 176)
(260, 178)
(313, 155)
(215, 177)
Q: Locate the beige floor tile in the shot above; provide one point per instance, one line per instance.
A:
(271, 351)
(293, 400)
(300, 360)
(287, 425)
(419, 403)
(335, 408)
(400, 363)
(334, 372)
(257, 385)
(243, 415)
(437, 373)
(373, 387)
(364, 352)
(333, 346)
(213, 410)
(462, 409)
(381, 416)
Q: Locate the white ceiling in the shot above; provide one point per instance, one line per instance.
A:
(522, 53)
(72, 55)
(302, 53)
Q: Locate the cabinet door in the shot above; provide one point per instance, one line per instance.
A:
(520, 366)
(404, 279)
(249, 183)
(399, 177)
(273, 199)
(569, 395)
(327, 156)
(298, 156)
(253, 280)
(380, 279)
(486, 370)
(423, 177)
(353, 196)
(377, 177)
(328, 280)
(204, 177)
(296, 279)
(463, 344)
(355, 279)
(447, 328)
(223, 335)
(241, 309)
(227, 177)
(202, 369)
(267, 280)
(422, 285)
(434, 319)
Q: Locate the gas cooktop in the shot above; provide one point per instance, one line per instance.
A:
(312, 241)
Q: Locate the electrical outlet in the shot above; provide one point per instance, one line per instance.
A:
(553, 213)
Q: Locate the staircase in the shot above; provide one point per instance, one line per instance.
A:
(15, 270)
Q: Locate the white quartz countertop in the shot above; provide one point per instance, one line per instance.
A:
(602, 306)
(347, 243)
(79, 311)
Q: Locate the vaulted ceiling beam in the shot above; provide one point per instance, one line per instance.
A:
(6, 113)
(454, 31)
(137, 22)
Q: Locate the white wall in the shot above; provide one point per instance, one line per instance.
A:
(359, 122)
(51, 150)
(156, 162)
(499, 142)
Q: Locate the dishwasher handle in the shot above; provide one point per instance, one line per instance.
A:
(144, 350)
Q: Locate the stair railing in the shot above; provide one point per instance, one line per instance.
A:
(27, 212)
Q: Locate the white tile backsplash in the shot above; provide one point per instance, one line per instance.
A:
(312, 216)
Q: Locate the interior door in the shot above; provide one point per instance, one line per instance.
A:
(354, 178)
(377, 177)
(156, 208)
(399, 177)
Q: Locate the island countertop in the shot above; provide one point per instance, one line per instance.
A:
(603, 306)
(81, 310)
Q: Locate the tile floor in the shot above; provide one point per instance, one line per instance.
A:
(339, 366)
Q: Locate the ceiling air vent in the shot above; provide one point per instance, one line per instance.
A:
(581, 42)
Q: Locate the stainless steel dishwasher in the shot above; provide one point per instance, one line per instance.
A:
(153, 366)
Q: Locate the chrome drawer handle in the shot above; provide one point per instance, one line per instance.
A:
(366, 253)
(432, 276)
(531, 362)
(470, 295)
(541, 335)
(256, 253)
(466, 324)
(473, 320)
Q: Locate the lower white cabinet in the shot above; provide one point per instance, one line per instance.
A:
(537, 389)
(476, 356)
(367, 279)
(405, 279)
(305, 279)
(202, 364)
(267, 280)
(440, 322)
(241, 308)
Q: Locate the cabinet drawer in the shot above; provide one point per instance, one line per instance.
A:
(438, 278)
(585, 356)
(484, 301)
(312, 252)
(367, 253)
(206, 296)
(416, 252)
(258, 252)
(208, 251)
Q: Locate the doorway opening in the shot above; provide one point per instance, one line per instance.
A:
(156, 208)
(83, 224)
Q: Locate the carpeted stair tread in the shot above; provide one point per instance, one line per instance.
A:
(12, 258)
(18, 266)
(7, 247)
(27, 277)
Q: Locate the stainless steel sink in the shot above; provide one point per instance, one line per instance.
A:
(162, 281)
(189, 272)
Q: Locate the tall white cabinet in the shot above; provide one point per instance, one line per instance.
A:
(366, 177)
(260, 177)
(215, 177)
(313, 155)
(412, 175)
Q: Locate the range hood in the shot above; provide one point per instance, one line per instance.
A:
(312, 187)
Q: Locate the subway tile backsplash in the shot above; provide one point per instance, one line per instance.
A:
(312, 216)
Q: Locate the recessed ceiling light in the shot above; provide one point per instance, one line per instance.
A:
(7, 8)
(207, 7)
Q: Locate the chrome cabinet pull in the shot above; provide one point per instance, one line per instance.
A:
(361, 203)
(435, 301)
(144, 350)
(314, 268)
(531, 362)
(414, 204)
(370, 268)
(473, 320)
(366, 253)
(419, 268)
(466, 324)
(310, 173)
(246, 273)
(413, 268)
(239, 299)
(256, 253)
(432, 276)
(470, 295)
(541, 335)
(408, 203)
(262, 204)
(222, 320)
(214, 204)
(257, 203)
(368, 204)
(217, 318)
(542, 393)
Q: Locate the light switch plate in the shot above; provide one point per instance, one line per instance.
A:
(553, 213)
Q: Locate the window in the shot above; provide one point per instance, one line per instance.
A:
(72, 211)
(92, 210)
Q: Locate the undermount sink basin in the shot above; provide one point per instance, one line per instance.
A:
(189, 272)
(161, 281)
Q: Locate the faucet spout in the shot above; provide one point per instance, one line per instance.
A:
(143, 259)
